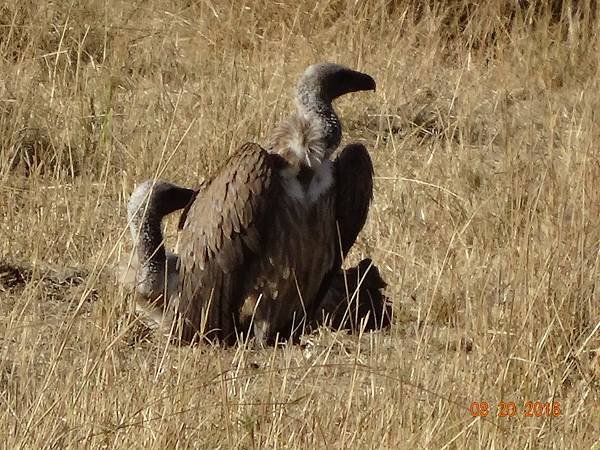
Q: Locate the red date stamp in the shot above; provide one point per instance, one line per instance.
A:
(512, 409)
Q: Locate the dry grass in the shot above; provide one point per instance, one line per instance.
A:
(485, 222)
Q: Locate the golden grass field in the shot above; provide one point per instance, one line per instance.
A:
(485, 222)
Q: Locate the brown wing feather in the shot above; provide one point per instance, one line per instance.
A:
(187, 207)
(354, 192)
(221, 235)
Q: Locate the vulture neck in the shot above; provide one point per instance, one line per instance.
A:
(147, 234)
(148, 204)
(318, 111)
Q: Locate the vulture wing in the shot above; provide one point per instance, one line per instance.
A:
(354, 192)
(353, 171)
(222, 233)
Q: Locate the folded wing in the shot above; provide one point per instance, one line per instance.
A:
(354, 192)
(353, 171)
(221, 237)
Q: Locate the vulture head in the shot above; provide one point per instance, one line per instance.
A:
(311, 136)
(156, 199)
(328, 81)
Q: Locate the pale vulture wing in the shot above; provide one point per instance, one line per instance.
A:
(221, 235)
(354, 192)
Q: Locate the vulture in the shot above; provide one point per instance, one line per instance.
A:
(153, 271)
(262, 242)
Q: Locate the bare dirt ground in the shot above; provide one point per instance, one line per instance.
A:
(485, 222)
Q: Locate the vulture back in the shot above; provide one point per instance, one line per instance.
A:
(253, 250)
